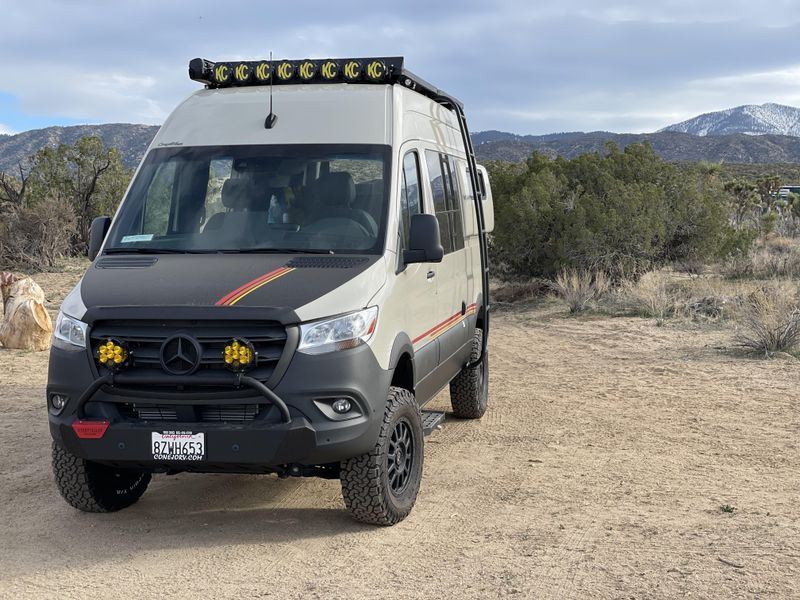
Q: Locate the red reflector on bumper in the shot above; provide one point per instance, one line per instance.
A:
(90, 430)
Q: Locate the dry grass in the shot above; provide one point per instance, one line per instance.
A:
(650, 295)
(768, 320)
(579, 288)
(776, 257)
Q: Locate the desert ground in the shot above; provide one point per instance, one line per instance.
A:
(601, 470)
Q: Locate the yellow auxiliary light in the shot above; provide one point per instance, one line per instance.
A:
(307, 70)
(239, 355)
(262, 72)
(352, 70)
(242, 72)
(376, 70)
(285, 70)
(222, 73)
(113, 355)
(329, 70)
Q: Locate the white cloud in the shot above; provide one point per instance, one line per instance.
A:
(529, 67)
(6, 130)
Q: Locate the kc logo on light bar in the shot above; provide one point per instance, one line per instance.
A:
(242, 72)
(285, 71)
(352, 69)
(221, 73)
(263, 71)
(376, 70)
(307, 70)
(329, 69)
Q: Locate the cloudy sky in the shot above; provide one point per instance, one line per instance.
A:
(527, 66)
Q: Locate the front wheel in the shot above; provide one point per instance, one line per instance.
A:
(469, 390)
(380, 487)
(92, 487)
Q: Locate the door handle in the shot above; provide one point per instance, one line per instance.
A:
(430, 275)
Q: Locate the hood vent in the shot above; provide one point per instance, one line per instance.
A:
(127, 262)
(326, 262)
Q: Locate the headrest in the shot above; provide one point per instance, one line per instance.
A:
(335, 189)
(237, 194)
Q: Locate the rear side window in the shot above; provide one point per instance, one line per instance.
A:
(446, 199)
(410, 202)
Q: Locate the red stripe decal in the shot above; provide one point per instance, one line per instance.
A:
(444, 323)
(231, 295)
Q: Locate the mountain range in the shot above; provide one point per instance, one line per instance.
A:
(754, 134)
(751, 119)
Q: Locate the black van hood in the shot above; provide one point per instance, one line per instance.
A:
(218, 282)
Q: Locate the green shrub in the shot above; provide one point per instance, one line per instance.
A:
(623, 213)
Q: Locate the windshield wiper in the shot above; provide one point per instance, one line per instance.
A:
(121, 250)
(278, 251)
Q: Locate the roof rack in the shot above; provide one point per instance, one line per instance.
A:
(375, 70)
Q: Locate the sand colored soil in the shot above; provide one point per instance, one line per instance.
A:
(600, 470)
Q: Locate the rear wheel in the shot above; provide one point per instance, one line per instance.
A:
(469, 390)
(380, 487)
(92, 487)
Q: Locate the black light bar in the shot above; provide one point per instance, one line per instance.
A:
(278, 72)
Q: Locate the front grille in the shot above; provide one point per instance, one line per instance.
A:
(214, 413)
(145, 338)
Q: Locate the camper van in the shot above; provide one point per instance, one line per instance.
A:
(298, 266)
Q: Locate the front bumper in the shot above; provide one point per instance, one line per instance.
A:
(313, 436)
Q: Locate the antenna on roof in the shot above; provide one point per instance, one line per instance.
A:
(272, 118)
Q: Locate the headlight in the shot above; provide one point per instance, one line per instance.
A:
(70, 330)
(340, 333)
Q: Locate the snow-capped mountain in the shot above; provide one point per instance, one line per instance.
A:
(750, 119)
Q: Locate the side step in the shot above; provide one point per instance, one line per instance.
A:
(431, 420)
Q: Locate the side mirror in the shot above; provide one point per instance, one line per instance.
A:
(97, 233)
(424, 242)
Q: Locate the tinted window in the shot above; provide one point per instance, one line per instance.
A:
(410, 203)
(446, 199)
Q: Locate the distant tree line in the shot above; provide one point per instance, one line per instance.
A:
(47, 205)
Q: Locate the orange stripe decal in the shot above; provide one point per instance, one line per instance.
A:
(446, 324)
(233, 297)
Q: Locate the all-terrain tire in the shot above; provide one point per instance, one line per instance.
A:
(96, 488)
(469, 390)
(371, 483)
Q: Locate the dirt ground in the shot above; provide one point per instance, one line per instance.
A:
(600, 470)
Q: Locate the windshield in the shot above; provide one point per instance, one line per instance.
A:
(280, 198)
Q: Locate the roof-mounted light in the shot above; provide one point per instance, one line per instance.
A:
(352, 70)
(285, 70)
(307, 70)
(329, 70)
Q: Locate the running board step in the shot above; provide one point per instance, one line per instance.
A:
(431, 419)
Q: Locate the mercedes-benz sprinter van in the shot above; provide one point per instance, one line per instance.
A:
(298, 266)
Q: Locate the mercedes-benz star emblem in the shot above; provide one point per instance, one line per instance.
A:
(180, 355)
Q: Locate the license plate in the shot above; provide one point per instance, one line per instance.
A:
(178, 445)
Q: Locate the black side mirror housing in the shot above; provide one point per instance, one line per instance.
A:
(97, 233)
(424, 241)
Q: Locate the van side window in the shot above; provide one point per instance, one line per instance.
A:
(446, 199)
(410, 203)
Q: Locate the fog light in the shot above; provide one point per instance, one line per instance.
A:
(113, 355)
(239, 355)
(58, 401)
(341, 405)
